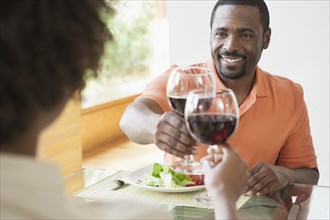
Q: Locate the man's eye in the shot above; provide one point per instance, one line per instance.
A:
(220, 35)
(246, 36)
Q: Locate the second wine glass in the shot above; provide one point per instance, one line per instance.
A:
(212, 119)
(181, 81)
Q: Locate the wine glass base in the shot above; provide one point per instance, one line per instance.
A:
(204, 198)
(187, 167)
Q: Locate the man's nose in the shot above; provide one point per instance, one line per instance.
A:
(231, 44)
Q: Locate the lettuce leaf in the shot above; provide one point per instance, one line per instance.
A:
(164, 176)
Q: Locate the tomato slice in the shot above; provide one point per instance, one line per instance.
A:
(197, 178)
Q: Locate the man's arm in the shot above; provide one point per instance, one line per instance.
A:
(266, 177)
(298, 149)
(140, 120)
(144, 123)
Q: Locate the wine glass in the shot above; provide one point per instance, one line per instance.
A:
(181, 81)
(211, 118)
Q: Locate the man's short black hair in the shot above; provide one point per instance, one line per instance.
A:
(260, 4)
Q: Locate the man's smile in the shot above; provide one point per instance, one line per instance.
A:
(231, 59)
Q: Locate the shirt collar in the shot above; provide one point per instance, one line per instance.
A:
(260, 83)
(259, 88)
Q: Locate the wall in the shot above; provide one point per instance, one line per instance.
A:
(61, 141)
(100, 124)
(299, 50)
(78, 131)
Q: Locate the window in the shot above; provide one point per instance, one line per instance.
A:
(138, 52)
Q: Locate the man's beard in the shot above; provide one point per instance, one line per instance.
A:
(228, 73)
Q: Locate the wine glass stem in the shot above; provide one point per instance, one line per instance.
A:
(187, 159)
(215, 150)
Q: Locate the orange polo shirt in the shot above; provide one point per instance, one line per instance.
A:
(273, 125)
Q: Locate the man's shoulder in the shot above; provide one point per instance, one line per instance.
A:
(199, 64)
(281, 84)
(203, 64)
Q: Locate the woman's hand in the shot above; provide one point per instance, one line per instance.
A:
(225, 173)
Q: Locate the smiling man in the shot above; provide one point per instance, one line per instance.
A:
(273, 135)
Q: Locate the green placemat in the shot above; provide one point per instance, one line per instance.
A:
(101, 191)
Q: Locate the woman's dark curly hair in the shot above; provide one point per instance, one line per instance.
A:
(47, 49)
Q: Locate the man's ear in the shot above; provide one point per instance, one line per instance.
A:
(266, 39)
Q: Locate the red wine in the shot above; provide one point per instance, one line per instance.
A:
(212, 129)
(198, 179)
(178, 104)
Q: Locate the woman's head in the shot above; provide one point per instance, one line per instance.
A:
(47, 50)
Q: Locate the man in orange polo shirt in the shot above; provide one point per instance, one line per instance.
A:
(273, 135)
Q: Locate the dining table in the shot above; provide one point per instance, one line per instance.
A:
(295, 201)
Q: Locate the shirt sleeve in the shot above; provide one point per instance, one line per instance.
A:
(156, 90)
(298, 150)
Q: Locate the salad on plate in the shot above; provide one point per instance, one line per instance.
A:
(165, 176)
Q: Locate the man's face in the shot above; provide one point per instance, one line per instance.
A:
(237, 40)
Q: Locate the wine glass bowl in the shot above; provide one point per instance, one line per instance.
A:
(212, 118)
(181, 81)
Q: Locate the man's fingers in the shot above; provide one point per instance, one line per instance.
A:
(260, 191)
(165, 142)
(255, 169)
(174, 127)
(176, 122)
(260, 185)
(169, 137)
(165, 147)
(258, 180)
(172, 133)
(266, 189)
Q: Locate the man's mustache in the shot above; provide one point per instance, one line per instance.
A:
(231, 54)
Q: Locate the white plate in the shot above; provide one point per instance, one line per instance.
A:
(133, 177)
